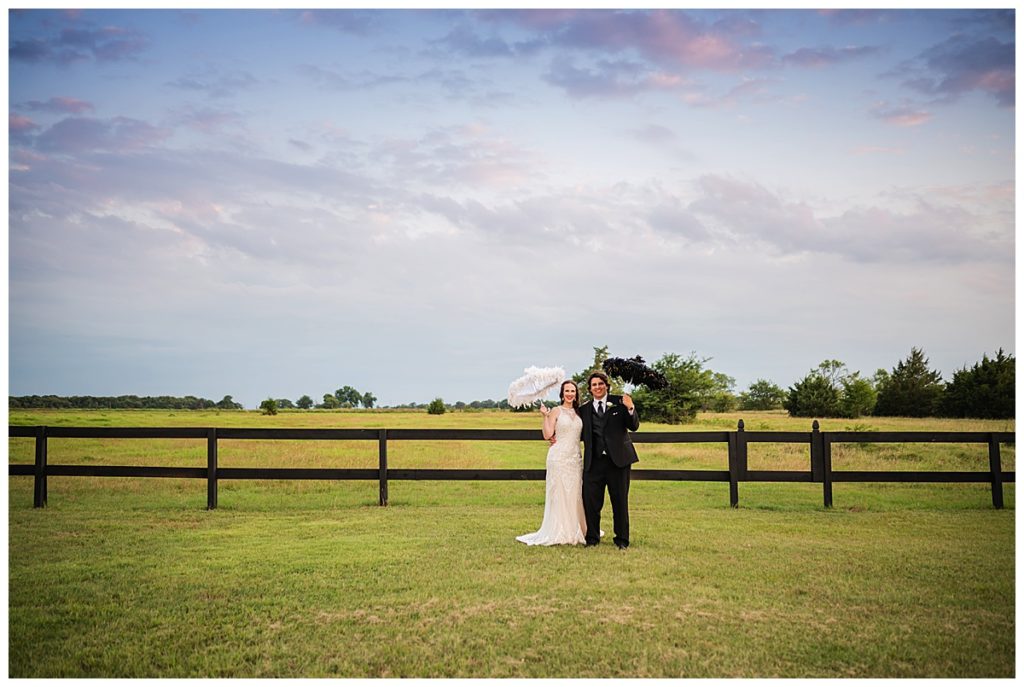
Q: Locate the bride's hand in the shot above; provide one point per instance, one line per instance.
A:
(544, 410)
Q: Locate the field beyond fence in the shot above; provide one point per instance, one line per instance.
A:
(122, 576)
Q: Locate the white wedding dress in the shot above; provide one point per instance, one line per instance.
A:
(564, 521)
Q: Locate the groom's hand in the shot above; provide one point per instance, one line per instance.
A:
(627, 401)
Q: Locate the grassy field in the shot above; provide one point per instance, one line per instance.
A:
(134, 578)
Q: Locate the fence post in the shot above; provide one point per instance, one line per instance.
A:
(734, 466)
(995, 465)
(817, 466)
(382, 452)
(39, 486)
(741, 449)
(211, 468)
(826, 468)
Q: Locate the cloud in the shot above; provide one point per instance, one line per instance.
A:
(465, 41)
(30, 50)
(105, 44)
(17, 124)
(209, 120)
(215, 83)
(961, 65)
(59, 104)
(877, 150)
(900, 116)
(665, 37)
(654, 134)
(752, 90)
(452, 84)
(82, 134)
(20, 129)
(616, 54)
(856, 17)
(357, 22)
(470, 156)
(926, 230)
(827, 56)
(610, 78)
(362, 80)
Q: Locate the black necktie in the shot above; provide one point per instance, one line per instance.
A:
(600, 408)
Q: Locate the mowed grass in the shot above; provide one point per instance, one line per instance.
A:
(134, 578)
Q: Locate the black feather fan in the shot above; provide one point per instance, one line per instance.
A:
(634, 371)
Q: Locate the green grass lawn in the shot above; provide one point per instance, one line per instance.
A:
(134, 578)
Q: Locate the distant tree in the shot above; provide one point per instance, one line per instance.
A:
(911, 390)
(816, 395)
(720, 398)
(305, 403)
(269, 407)
(600, 355)
(226, 403)
(762, 395)
(987, 390)
(368, 400)
(330, 402)
(858, 397)
(830, 391)
(348, 395)
(460, 405)
(436, 407)
(692, 386)
(284, 403)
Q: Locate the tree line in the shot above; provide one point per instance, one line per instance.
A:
(345, 397)
(911, 389)
(121, 402)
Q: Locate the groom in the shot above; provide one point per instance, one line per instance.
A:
(607, 455)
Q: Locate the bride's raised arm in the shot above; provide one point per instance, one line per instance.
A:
(549, 421)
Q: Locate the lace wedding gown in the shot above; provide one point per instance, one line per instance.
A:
(564, 522)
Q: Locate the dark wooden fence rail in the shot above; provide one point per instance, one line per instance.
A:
(819, 465)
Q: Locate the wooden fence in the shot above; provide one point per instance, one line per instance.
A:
(819, 463)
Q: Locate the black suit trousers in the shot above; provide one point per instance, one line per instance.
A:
(604, 473)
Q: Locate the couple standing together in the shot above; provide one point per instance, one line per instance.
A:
(575, 485)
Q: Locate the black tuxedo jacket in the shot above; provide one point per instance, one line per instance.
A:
(617, 426)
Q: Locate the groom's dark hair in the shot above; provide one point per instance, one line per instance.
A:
(600, 375)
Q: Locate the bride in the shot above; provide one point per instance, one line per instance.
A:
(564, 521)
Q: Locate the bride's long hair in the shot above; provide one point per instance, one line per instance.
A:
(561, 394)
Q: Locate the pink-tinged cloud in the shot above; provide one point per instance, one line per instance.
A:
(17, 124)
(960, 65)
(610, 78)
(60, 104)
(900, 116)
(664, 36)
(669, 38)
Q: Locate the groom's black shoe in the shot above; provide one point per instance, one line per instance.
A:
(592, 543)
(621, 545)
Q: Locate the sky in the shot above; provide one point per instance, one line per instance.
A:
(421, 204)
